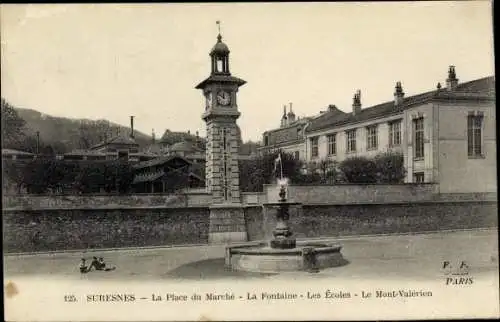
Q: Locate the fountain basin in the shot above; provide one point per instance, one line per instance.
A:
(260, 257)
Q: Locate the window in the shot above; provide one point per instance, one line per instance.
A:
(219, 65)
(332, 144)
(371, 138)
(418, 177)
(418, 134)
(351, 141)
(314, 147)
(395, 133)
(296, 155)
(474, 125)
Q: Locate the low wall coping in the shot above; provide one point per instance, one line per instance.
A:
(101, 208)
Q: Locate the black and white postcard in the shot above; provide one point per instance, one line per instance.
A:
(249, 161)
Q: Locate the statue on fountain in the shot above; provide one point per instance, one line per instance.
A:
(282, 234)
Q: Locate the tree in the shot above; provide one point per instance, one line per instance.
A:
(265, 170)
(37, 175)
(91, 178)
(390, 167)
(13, 172)
(328, 170)
(248, 148)
(359, 170)
(12, 126)
(124, 176)
(251, 176)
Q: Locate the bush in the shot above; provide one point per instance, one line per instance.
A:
(261, 170)
(390, 167)
(358, 170)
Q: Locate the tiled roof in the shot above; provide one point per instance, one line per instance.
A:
(221, 79)
(17, 152)
(119, 139)
(184, 146)
(484, 87)
(153, 149)
(123, 139)
(147, 177)
(84, 152)
(157, 161)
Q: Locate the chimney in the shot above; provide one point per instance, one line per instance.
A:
(291, 115)
(132, 127)
(331, 108)
(438, 86)
(37, 142)
(398, 94)
(284, 118)
(451, 81)
(356, 102)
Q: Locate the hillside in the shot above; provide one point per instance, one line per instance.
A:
(65, 134)
(74, 133)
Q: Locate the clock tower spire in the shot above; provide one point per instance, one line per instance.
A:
(222, 174)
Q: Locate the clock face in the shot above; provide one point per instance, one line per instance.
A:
(224, 98)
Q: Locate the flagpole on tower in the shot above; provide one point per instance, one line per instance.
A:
(281, 167)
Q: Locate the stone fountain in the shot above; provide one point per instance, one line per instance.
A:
(282, 253)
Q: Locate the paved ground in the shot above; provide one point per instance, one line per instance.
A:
(384, 257)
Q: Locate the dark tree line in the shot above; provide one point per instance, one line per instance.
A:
(47, 175)
(385, 168)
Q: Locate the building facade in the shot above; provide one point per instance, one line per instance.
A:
(289, 137)
(446, 136)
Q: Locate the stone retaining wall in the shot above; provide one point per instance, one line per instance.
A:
(43, 230)
(367, 219)
(355, 193)
(50, 230)
(39, 202)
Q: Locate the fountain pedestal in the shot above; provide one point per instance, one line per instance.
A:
(282, 253)
(282, 234)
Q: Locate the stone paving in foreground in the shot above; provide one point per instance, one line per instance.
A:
(416, 257)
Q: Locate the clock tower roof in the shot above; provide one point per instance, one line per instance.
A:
(219, 48)
(227, 79)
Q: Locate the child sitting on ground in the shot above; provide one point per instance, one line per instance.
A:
(102, 266)
(94, 264)
(83, 267)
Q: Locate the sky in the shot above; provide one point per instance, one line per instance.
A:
(115, 60)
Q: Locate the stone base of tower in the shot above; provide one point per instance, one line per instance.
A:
(227, 224)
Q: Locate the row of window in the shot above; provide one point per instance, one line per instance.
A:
(371, 139)
(474, 138)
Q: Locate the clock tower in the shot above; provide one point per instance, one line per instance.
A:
(227, 222)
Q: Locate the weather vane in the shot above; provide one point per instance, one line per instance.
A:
(218, 25)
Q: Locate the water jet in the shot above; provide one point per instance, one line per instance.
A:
(283, 253)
